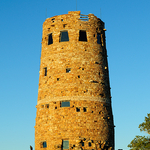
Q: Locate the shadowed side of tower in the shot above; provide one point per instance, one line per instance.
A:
(74, 102)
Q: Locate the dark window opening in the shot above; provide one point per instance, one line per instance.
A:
(82, 36)
(55, 107)
(90, 144)
(99, 73)
(62, 20)
(82, 143)
(102, 95)
(78, 76)
(58, 79)
(102, 83)
(64, 25)
(64, 36)
(84, 109)
(65, 104)
(45, 71)
(44, 144)
(50, 39)
(68, 70)
(53, 20)
(94, 81)
(77, 109)
(65, 144)
(99, 38)
(47, 105)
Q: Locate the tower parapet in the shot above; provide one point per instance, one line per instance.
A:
(74, 102)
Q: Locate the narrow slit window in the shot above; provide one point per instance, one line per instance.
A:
(99, 38)
(65, 144)
(64, 36)
(50, 39)
(45, 71)
(84, 109)
(82, 36)
(65, 104)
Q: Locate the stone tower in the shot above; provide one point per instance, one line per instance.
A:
(74, 102)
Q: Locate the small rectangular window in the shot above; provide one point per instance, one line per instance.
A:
(65, 144)
(50, 39)
(45, 71)
(82, 143)
(47, 105)
(82, 36)
(99, 38)
(44, 144)
(77, 109)
(65, 104)
(90, 144)
(68, 70)
(64, 36)
(84, 109)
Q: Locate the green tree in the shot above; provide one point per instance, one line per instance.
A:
(145, 126)
(142, 142)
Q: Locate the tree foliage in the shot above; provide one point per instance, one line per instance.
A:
(142, 142)
(145, 126)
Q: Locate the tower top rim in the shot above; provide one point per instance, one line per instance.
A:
(76, 14)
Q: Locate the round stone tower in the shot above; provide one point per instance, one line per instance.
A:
(74, 102)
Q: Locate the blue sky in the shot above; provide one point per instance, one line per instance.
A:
(128, 45)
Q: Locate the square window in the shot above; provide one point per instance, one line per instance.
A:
(65, 104)
(68, 70)
(65, 144)
(64, 36)
(50, 39)
(82, 36)
(99, 38)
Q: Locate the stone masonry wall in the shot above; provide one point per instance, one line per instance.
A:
(75, 72)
